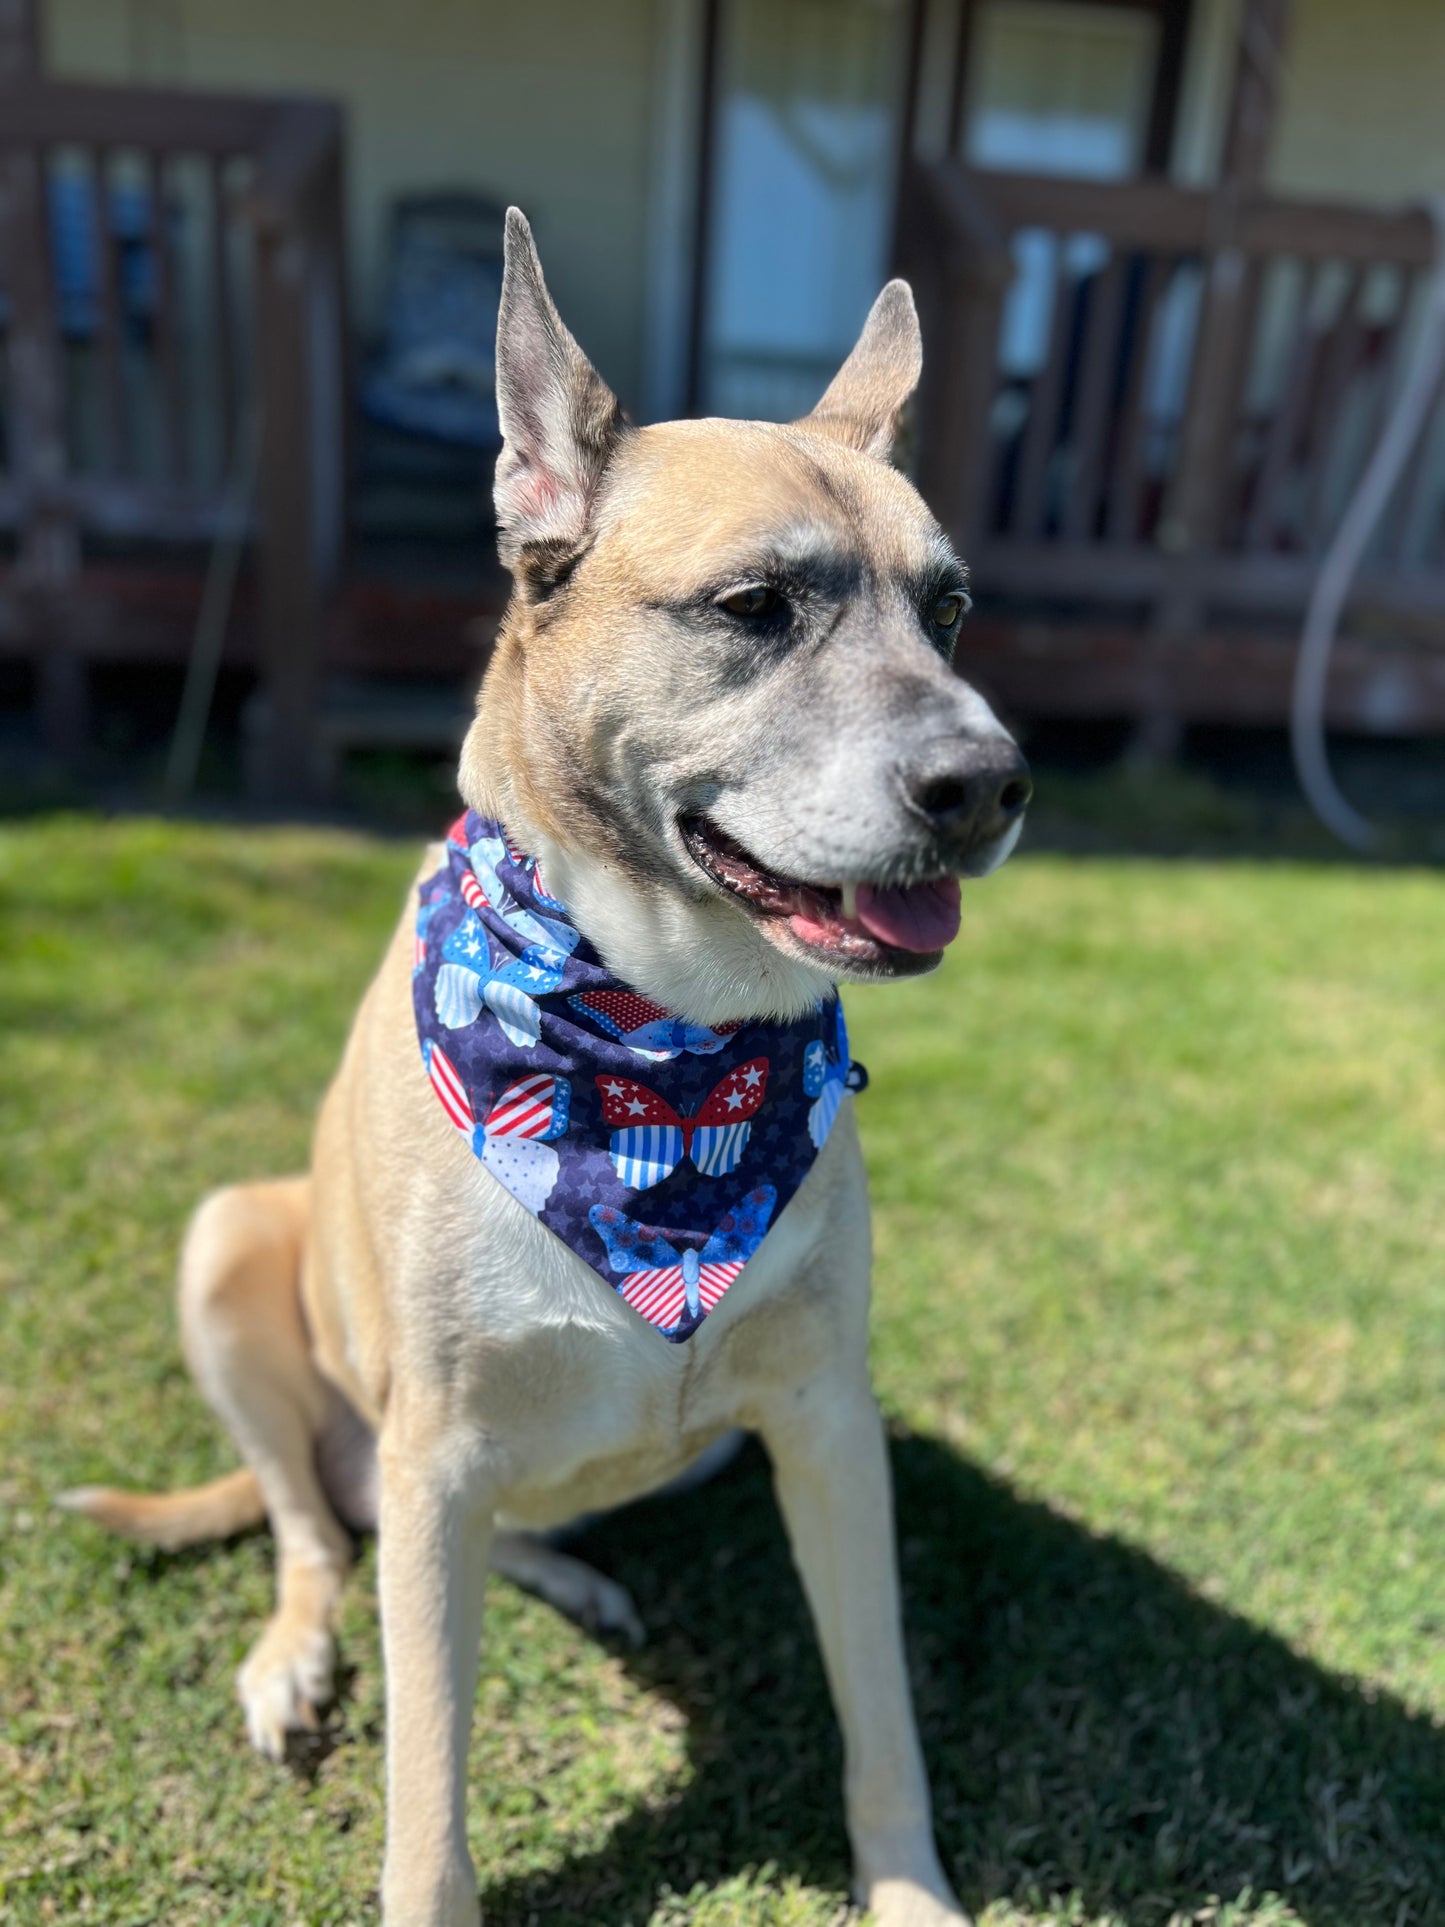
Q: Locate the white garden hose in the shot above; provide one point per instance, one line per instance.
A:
(1406, 423)
(218, 593)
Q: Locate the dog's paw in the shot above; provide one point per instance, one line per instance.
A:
(609, 1608)
(593, 1600)
(903, 1903)
(570, 1585)
(444, 1896)
(284, 1683)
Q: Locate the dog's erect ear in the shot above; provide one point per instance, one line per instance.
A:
(559, 418)
(866, 396)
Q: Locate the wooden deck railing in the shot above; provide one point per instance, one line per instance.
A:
(171, 318)
(1155, 401)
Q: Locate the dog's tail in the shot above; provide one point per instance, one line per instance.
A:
(172, 1519)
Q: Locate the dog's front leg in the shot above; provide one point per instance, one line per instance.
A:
(831, 1467)
(435, 1532)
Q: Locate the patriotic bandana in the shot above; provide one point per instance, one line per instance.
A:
(659, 1151)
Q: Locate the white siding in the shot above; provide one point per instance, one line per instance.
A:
(549, 104)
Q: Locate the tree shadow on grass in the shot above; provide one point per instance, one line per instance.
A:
(1092, 1725)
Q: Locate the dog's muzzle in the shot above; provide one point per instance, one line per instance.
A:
(971, 791)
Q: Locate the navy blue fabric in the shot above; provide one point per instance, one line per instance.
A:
(659, 1151)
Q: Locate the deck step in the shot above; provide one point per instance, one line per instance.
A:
(377, 712)
(361, 712)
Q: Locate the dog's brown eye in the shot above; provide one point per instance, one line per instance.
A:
(757, 600)
(948, 610)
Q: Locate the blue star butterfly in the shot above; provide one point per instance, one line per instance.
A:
(826, 1075)
(468, 981)
(668, 1287)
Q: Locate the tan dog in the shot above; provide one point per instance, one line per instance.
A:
(721, 713)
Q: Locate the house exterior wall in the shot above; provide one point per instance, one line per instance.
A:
(549, 104)
(583, 111)
(1360, 115)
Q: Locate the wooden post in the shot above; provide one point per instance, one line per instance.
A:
(960, 267)
(1174, 21)
(1192, 523)
(19, 40)
(1258, 74)
(280, 756)
(695, 380)
(47, 557)
(301, 393)
(905, 159)
(958, 93)
(955, 400)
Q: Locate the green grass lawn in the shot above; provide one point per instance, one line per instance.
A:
(1159, 1165)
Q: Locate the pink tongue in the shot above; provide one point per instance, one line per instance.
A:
(925, 916)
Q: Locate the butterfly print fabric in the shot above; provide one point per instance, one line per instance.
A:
(650, 1140)
(658, 1150)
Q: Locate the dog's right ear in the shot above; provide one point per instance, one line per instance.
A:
(559, 419)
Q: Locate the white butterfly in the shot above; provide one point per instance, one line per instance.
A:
(467, 980)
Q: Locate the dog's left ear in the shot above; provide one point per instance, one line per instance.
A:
(559, 419)
(866, 396)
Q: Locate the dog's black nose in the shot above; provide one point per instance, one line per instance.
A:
(971, 789)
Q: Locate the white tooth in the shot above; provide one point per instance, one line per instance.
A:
(850, 901)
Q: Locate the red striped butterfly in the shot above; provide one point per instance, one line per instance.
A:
(533, 868)
(425, 911)
(483, 884)
(650, 1140)
(646, 1027)
(669, 1286)
(514, 1140)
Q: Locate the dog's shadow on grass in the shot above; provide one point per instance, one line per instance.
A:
(1092, 1725)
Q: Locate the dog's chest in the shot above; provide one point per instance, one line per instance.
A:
(596, 1407)
(425, 1267)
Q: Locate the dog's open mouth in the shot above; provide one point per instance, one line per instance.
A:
(866, 925)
